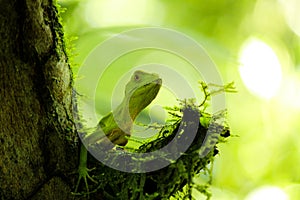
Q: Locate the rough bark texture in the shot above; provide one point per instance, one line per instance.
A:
(37, 151)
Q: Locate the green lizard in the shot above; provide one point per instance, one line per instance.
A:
(139, 93)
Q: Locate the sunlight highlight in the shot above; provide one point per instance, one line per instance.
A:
(267, 192)
(260, 69)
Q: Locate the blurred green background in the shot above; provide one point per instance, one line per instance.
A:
(253, 43)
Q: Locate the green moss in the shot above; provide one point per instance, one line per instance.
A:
(175, 180)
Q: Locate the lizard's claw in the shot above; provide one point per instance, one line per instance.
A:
(84, 174)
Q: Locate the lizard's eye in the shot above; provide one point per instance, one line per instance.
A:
(136, 77)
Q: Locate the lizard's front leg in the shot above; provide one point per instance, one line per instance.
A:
(83, 171)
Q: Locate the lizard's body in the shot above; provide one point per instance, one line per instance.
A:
(139, 93)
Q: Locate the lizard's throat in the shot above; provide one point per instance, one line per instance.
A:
(124, 117)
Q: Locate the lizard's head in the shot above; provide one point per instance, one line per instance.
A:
(141, 90)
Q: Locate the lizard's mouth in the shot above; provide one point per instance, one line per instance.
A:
(148, 89)
(143, 96)
(157, 81)
(154, 85)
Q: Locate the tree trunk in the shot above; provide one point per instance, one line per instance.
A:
(37, 134)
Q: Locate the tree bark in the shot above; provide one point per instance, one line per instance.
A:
(37, 134)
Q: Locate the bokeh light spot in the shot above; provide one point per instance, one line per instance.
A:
(260, 69)
(267, 192)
